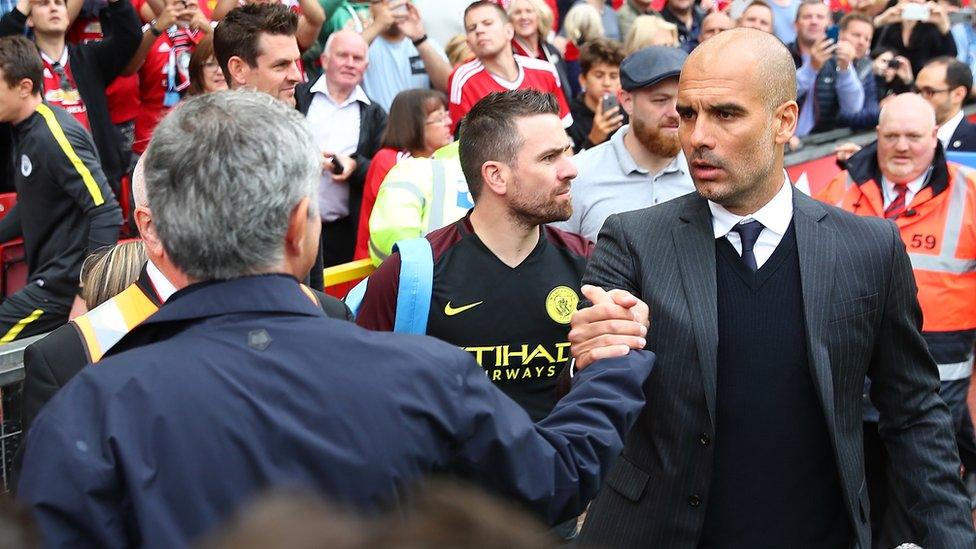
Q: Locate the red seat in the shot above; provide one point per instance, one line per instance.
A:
(13, 264)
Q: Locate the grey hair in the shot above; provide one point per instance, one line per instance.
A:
(327, 49)
(223, 173)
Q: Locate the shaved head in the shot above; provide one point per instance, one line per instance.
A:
(907, 138)
(908, 104)
(774, 73)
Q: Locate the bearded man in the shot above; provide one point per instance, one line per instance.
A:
(642, 164)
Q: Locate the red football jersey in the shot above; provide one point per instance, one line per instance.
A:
(164, 71)
(470, 82)
(63, 92)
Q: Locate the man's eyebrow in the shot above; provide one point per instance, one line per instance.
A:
(553, 151)
(728, 107)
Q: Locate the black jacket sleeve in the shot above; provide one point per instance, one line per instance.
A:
(48, 365)
(13, 23)
(114, 52)
(10, 227)
(371, 129)
(88, 187)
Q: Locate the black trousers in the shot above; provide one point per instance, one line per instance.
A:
(31, 311)
(338, 241)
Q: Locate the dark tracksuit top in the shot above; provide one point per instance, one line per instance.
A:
(65, 207)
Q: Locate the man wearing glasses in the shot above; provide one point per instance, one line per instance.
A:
(905, 177)
(945, 83)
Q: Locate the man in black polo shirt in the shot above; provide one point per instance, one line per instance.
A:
(505, 285)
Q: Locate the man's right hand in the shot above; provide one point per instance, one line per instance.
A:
(382, 13)
(846, 150)
(616, 323)
(604, 123)
(821, 52)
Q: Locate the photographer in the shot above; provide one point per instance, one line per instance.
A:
(892, 73)
(916, 31)
(828, 87)
(600, 62)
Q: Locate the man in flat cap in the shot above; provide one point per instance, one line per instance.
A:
(642, 164)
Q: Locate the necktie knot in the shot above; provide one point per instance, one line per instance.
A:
(897, 206)
(749, 234)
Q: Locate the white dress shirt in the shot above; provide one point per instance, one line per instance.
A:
(775, 217)
(946, 130)
(335, 127)
(164, 288)
(888, 188)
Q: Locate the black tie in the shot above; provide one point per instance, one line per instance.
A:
(748, 234)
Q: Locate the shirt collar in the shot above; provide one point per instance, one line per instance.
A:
(627, 165)
(913, 186)
(63, 61)
(946, 130)
(164, 288)
(776, 215)
(358, 94)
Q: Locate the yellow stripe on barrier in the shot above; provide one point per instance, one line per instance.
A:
(14, 331)
(347, 272)
(80, 167)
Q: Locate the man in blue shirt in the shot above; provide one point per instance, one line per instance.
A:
(826, 81)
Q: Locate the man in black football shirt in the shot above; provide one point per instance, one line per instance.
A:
(505, 285)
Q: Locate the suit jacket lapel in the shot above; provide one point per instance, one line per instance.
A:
(815, 247)
(694, 242)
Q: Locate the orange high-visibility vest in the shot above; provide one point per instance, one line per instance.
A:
(939, 232)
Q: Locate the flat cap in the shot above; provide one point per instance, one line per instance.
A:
(650, 65)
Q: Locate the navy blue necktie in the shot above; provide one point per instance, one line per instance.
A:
(748, 234)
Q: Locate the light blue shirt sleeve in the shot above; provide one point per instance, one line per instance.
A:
(805, 76)
(850, 92)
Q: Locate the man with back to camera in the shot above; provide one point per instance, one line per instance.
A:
(170, 433)
(65, 206)
(642, 164)
(768, 309)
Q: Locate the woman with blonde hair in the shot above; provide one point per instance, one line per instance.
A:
(458, 51)
(109, 270)
(650, 30)
(583, 23)
(533, 21)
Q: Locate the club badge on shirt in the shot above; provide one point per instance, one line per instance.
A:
(25, 165)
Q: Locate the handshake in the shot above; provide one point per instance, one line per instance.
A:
(615, 323)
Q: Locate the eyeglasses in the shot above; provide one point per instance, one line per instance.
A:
(928, 92)
(210, 65)
(438, 117)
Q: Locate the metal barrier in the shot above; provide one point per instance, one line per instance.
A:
(11, 380)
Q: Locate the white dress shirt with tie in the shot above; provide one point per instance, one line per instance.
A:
(775, 217)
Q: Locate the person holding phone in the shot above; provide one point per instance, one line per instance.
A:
(916, 30)
(596, 111)
(828, 86)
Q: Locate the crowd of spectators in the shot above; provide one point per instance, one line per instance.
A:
(503, 133)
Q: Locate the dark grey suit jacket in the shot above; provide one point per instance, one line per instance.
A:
(862, 317)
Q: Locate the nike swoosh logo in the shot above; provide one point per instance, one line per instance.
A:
(451, 311)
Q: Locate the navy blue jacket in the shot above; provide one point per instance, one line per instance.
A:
(236, 386)
(964, 138)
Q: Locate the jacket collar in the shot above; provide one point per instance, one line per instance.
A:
(272, 293)
(863, 167)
